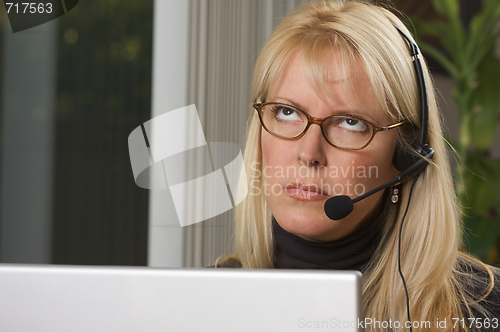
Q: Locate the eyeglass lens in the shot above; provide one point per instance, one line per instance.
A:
(340, 131)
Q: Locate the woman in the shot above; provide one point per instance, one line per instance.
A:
(345, 63)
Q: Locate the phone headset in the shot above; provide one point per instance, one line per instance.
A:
(405, 161)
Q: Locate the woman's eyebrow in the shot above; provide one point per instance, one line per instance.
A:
(290, 102)
(352, 112)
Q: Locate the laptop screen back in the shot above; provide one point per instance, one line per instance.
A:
(56, 298)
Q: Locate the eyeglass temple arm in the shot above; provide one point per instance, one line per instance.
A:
(394, 125)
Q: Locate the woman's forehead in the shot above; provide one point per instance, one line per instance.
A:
(322, 72)
(334, 81)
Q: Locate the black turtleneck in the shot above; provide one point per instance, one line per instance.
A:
(349, 253)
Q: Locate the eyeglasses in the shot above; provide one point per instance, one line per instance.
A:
(341, 131)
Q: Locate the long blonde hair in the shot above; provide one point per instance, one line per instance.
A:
(436, 272)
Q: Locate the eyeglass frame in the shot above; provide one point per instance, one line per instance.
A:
(320, 122)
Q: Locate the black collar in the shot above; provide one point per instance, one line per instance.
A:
(350, 253)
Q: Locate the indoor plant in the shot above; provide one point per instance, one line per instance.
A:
(467, 54)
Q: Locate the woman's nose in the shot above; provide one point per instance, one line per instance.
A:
(311, 148)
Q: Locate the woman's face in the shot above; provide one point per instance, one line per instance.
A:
(300, 175)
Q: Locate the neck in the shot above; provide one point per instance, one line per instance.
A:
(352, 252)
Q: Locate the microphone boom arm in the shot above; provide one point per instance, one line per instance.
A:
(412, 170)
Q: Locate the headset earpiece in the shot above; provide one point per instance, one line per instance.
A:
(402, 158)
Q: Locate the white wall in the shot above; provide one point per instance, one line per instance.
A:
(169, 92)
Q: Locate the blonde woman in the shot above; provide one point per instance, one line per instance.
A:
(335, 94)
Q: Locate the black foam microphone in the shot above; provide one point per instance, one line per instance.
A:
(338, 207)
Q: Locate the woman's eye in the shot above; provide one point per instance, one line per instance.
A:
(353, 125)
(288, 114)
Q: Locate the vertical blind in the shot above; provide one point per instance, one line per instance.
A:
(225, 40)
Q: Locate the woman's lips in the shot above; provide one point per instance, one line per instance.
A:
(305, 192)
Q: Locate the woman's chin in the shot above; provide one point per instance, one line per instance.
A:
(314, 227)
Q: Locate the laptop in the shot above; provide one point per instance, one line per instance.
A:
(59, 298)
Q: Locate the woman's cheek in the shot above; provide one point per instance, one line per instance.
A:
(276, 152)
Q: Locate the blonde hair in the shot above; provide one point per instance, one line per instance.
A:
(438, 280)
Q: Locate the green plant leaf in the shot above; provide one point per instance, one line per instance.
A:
(450, 9)
(481, 178)
(490, 12)
(485, 113)
(482, 234)
(422, 27)
(479, 196)
(453, 145)
(482, 225)
(479, 53)
(490, 169)
(447, 8)
(438, 28)
(445, 33)
(447, 64)
(482, 27)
